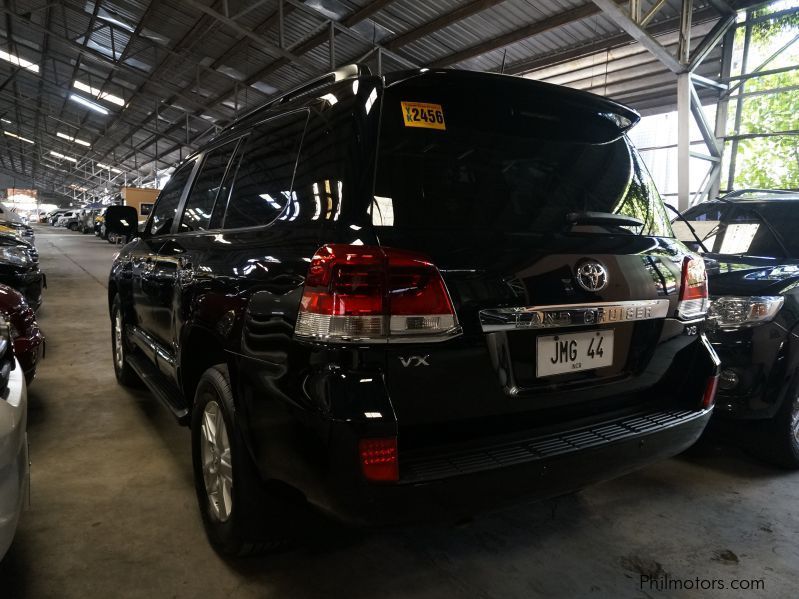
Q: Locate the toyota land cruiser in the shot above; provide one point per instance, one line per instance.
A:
(413, 296)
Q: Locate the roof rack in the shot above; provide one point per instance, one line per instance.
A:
(350, 71)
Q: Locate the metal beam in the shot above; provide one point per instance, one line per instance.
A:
(617, 15)
(710, 41)
(683, 141)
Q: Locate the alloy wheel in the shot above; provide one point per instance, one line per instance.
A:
(216, 463)
(119, 350)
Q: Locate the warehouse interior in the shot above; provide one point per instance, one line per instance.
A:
(103, 101)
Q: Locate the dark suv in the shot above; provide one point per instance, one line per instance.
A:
(752, 255)
(413, 296)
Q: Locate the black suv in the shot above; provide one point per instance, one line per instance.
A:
(751, 248)
(412, 296)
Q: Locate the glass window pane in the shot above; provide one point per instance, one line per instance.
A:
(262, 190)
(207, 185)
(166, 206)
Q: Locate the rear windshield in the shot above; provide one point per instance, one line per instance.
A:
(471, 156)
(765, 229)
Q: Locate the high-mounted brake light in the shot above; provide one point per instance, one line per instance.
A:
(367, 294)
(693, 290)
(379, 461)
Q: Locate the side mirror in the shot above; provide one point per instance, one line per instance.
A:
(122, 221)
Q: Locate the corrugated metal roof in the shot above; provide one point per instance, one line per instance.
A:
(184, 67)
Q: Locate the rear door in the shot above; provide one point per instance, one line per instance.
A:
(556, 316)
(147, 274)
(178, 256)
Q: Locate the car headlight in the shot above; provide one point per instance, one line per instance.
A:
(18, 256)
(733, 312)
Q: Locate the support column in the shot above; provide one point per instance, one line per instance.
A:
(683, 141)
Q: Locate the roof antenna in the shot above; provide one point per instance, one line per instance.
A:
(502, 68)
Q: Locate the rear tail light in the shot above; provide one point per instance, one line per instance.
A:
(709, 397)
(357, 293)
(379, 460)
(693, 290)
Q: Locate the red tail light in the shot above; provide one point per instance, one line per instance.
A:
(709, 397)
(379, 459)
(367, 294)
(693, 290)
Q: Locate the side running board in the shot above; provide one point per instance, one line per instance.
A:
(155, 382)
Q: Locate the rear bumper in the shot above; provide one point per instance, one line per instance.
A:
(13, 456)
(451, 486)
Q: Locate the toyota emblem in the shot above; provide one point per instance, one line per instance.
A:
(591, 275)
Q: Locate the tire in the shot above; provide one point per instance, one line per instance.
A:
(232, 498)
(120, 347)
(779, 436)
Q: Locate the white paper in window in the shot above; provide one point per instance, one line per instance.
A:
(738, 238)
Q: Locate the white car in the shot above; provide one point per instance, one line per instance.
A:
(14, 472)
(65, 219)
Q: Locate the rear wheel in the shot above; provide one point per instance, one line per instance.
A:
(124, 373)
(235, 508)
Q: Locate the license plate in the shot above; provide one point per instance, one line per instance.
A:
(559, 354)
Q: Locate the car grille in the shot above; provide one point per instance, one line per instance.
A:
(426, 466)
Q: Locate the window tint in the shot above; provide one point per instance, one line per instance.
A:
(708, 222)
(263, 185)
(324, 169)
(752, 228)
(166, 206)
(207, 186)
(504, 161)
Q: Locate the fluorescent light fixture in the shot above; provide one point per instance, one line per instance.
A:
(73, 139)
(88, 103)
(99, 94)
(19, 137)
(110, 168)
(6, 121)
(19, 62)
(63, 157)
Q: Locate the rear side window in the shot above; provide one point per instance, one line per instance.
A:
(166, 206)
(468, 157)
(207, 187)
(262, 190)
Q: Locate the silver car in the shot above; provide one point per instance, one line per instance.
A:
(14, 473)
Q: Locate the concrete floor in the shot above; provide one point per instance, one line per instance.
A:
(113, 511)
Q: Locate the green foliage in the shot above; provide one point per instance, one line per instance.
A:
(770, 162)
(767, 29)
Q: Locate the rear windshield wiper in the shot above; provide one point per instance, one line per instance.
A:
(690, 228)
(764, 220)
(603, 218)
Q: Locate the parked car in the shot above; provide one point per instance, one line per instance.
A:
(398, 311)
(26, 335)
(69, 220)
(14, 479)
(19, 269)
(18, 229)
(751, 249)
(53, 217)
